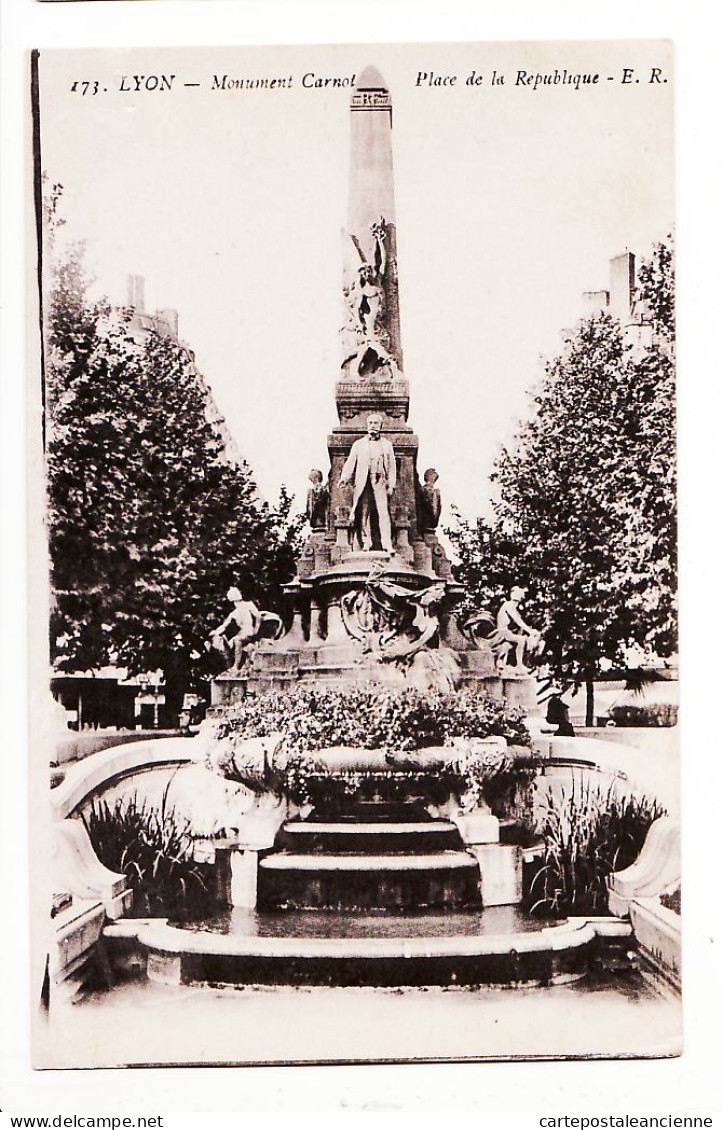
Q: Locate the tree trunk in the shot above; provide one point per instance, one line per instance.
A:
(589, 702)
(176, 674)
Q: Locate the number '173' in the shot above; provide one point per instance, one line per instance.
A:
(85, 86)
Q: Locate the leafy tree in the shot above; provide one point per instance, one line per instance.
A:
(586, 515)
(656, 293)
(149, 523)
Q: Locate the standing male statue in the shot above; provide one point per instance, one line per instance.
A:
(372, 468)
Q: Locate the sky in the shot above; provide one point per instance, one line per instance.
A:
(510, 202)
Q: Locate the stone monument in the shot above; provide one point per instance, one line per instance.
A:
(374, 598)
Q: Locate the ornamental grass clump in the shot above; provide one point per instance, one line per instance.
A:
(589, 833)
(153, 849)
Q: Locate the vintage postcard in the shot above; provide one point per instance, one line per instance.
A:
(355, 703)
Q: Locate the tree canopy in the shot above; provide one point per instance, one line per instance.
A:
(149, 523)
(586, 513)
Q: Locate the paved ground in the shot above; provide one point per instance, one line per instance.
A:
(142, 1023)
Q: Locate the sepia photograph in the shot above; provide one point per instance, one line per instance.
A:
(354, 661)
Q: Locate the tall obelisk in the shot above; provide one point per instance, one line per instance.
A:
(370, 246)
(371, 378)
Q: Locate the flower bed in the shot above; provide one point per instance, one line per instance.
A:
(653, 714)
(371, 719)
(427, 744)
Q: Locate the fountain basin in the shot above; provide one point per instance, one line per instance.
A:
(375, 950)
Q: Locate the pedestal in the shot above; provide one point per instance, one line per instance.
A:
(244, 878)
(519, 690)
(500, 868)
(294, 638)
(479, 828)
(225, 690)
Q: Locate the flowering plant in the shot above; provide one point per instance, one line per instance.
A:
(472, 736)
(370, 718)
(475, 764)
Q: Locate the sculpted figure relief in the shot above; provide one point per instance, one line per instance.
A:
(372, 469)
(366, 330)
(243, 627)
(392, 620)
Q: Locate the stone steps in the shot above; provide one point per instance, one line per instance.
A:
(363, 881)
(440, 861)
(374, 812)
(376, 838)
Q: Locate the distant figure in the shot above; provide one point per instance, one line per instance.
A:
(430, 501)
(372, 468)
(558, 714)
(317, 501)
